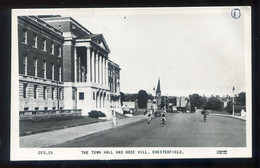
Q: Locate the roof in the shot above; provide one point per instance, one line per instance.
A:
(98, 39)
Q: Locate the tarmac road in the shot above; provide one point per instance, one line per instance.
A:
(180, 130)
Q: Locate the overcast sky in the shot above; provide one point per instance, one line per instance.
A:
(191, 51)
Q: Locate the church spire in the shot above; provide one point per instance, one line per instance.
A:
(158, 90)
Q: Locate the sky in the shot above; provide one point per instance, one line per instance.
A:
(191, 51)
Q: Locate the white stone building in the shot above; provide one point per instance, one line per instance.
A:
(91, 80)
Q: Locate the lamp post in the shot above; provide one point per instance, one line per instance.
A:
(233, 101)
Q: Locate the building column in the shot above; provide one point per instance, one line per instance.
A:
(106, 71)
(100, 60)
(79, 70)
(114, 80)
(96, 68)
(103, 71)
(92, 65)
(75, 65)
(88, 65)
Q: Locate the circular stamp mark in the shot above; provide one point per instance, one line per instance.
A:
(236, 13)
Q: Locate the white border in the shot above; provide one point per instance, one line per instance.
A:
(19, 154)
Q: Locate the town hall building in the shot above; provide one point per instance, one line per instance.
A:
(79, 62)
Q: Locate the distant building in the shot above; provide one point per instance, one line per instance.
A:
(129, 105)
(181, 102)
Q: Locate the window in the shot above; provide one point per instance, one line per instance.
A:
(35, 67)
(44, 44)
(25, 64)
(52, 93)
(81, 95)
(60, 94)
(59, 51)
(26, 108)
(60, 73)
(36, 108)
(24, 36)
(93, 95)
(44, 92)
(73, 94)
(44, 69)
(35, 92)
(53, 108)
(52, 48)
(45, 108)
(52, 71)
(35, 40)
(25, 90)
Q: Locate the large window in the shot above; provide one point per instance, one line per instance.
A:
(59, 51)
(44, 69)
(52, 71)
(24, 36)
(60, 73)
(25, 90)
(35, 40)
(52, 48)
(35, 67)
(44, 44)
(52, 92)
(35, 91)
(60, 94)
(25, 64)
(44, 92)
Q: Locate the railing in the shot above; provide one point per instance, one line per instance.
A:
(49, 112)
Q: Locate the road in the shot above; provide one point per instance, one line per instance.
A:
(180, 130)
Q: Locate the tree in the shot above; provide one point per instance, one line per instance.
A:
(142, 99)
(122, 95)
(239, 104)
(241, 99)
(214, 104)
(197, 101)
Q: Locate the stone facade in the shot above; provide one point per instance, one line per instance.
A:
(40, 65)
(89, 80)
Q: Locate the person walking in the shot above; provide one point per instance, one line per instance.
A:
(205, 115)
(163, 118)
(149, 118)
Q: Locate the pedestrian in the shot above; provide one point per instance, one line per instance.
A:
(163, 118)
(149, 118)
(205, 115)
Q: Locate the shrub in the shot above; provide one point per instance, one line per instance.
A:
(96, 114)
(237, 108)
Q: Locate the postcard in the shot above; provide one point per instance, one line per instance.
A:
(131, 83)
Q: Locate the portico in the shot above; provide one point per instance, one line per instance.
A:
(90, 69)
(86, 65)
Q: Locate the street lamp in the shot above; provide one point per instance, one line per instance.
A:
(233, 101)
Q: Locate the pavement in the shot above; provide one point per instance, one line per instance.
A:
(237, 117)
(60, 136)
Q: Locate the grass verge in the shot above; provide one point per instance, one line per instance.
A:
(39, 125)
